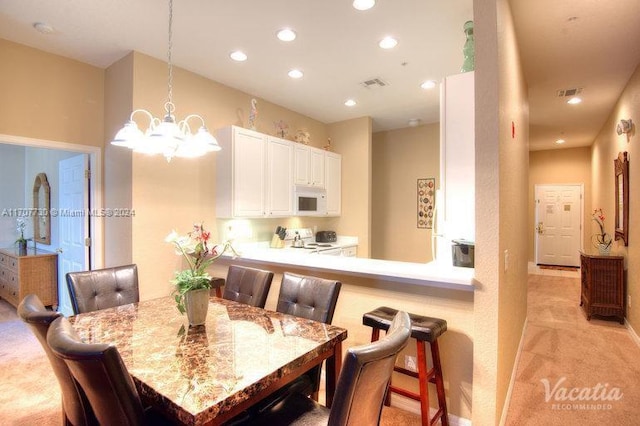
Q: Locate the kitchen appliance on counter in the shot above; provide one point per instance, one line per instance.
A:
(324, 242)
(463, 253)
(326, 237)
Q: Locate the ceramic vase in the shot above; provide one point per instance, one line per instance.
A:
(196, 303)
(469, 48)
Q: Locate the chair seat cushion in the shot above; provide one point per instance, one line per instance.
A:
(423, 328)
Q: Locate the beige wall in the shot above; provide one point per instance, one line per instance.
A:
(400, 157)
(49, 97)
(117, 162)
(604, 150)
(501, 208)
(352, 139)
(559, 166)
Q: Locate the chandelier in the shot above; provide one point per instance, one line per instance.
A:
(165, 136)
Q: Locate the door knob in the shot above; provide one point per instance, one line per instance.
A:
(59, 250)
(540, 228)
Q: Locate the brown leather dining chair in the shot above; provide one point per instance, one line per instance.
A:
(76, 410)
(247, 285)
(311, 298)
(360, 391)
(102, 375)
(103, 288)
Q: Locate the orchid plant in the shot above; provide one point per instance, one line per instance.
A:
(194, 248)
(602, 238)
(20, 227)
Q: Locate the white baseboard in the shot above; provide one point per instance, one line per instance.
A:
(632, 332)
(413, 406)
(507, 400)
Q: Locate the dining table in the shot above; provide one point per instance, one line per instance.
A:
(211, 373)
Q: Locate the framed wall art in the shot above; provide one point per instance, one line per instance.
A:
(426, 192)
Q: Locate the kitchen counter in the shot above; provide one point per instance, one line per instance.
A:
(429, 274)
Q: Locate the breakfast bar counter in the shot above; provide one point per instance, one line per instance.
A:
(430, 274)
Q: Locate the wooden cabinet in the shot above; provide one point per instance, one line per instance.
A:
(333, 183)
(603, 287)
(35, 273)
(254, 177)
(309, 166)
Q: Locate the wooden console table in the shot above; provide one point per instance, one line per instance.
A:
(603, 287)
(36, 272)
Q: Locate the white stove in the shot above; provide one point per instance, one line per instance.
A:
(309, 244)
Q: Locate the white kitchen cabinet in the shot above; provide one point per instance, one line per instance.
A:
(309, 166)
(333, 182)
(279, 191)
(254, 177)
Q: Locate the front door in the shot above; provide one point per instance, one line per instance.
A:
(73, 223)
(558, 224)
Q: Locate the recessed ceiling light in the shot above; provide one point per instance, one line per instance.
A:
(295, 73)
(560, 141)
(575, 100)
(350, 102)
(414, 122)
(43, 28)
(388, 43)
(429, 84)
(286, 34)
(238, 55)
(363, 4)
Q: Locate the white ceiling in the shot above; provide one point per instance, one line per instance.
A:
(337, 50)
(588, 44)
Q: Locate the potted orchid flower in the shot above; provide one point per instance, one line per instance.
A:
(193, 284)
(602, 241)
(21, 241)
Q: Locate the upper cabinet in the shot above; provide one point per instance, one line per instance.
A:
(333, 182)
(309, 166)
(254, 176)
(257, 173)
(279, 177)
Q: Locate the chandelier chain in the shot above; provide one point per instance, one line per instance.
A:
(169, 107)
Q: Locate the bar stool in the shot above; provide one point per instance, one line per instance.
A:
(216, 284)
(423, 329)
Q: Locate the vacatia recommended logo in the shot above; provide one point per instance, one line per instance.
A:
(562, 397)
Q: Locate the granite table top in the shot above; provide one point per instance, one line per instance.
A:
(205, 374)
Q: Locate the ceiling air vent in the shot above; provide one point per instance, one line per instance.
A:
(568, 92)
(373, 83)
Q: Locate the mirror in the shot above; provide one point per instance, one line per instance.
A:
(621, 165)
(42, 208)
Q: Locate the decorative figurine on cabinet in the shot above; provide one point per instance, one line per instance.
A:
(253, 114)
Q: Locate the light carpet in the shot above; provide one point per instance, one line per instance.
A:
(577, 358)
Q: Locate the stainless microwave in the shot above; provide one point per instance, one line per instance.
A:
(310, 201)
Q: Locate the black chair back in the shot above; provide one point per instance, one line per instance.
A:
(308, 297)
(99, 370)
(75, 406)
(103, 288)
(247, 285)
(365, 375)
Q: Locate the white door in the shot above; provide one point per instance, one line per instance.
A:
(558, 224)
(73, 223)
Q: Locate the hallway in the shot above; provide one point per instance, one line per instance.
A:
(572, 371)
